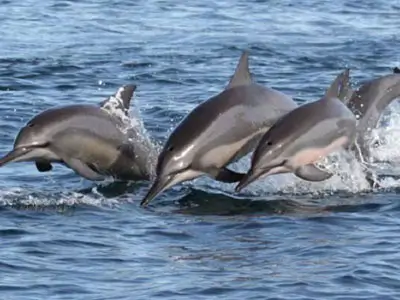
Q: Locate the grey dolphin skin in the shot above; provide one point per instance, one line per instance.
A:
(368, 103)
(219, 131)
(86, 138)
(304, 135)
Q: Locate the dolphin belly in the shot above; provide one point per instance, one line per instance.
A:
(312, 155)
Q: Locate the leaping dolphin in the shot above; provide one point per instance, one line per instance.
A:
(89, 139)
(368, 103)
(304, 135)
(219, 131)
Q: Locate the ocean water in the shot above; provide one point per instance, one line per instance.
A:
(62, 237)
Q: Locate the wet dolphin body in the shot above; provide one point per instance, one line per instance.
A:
(219, 131)
(86, 138)
(304, 135)
(368, 103)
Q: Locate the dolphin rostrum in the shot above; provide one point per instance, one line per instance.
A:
(219, 131)
(368, 103)
(86, 138)
(303, 136)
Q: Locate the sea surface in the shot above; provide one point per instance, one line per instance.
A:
(62, 237)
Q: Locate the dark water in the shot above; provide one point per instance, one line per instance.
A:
(66, 238)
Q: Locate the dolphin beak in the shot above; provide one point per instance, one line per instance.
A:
(247, 179)
(256, 172)
(158, 187)
(164, 182)
(15, 155)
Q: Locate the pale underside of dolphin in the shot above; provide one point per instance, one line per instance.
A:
(86, 138)
(305, 135)
(219, 131)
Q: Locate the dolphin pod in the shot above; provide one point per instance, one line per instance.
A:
(86, 138)
(303, 136)
(187, 161)
(219, 131)
(244, 117)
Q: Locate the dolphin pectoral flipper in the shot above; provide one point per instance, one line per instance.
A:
(43, 166)
(226, 175)
(312, 173)
(82, 169)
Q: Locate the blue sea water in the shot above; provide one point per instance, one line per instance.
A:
(62, 237)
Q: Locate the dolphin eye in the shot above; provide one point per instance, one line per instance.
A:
(269, 143)
(31, 124)
(170, 148)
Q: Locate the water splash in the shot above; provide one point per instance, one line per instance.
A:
(23, 198)
(387, 136)
(132, 126)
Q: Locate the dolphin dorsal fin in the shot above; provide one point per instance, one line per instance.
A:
(340, 87)
(125, 93)
(242, 74)
(396, 70)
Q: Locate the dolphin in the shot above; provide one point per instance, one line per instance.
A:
(368, 103)
(219, 131)
(88, 139)
(304, 135)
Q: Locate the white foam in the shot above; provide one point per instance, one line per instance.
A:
(133, 126)
(17, 197)
(388, 136)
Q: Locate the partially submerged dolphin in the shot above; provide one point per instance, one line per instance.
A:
(303, 136)
(368, 103)
(89, 139)
(219, 131)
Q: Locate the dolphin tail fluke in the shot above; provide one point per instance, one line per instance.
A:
(242, 74)
(340, 87)
(396, 70)
(228, 176)
(311, 172)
